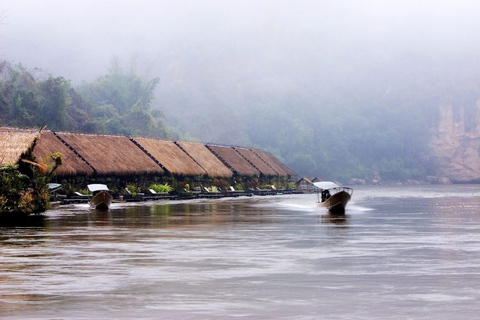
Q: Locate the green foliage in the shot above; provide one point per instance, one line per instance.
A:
(29, 98)
(20, 193)
(161, 187)
(12, 183)
(122, 104)
(213, 189)
(221, 184)
(290, 185)
(116, 103)
(132, 189)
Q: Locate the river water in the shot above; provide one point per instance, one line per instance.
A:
(397, 253)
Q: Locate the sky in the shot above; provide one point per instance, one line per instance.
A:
(77, 38)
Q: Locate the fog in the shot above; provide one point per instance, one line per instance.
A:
(218, 60)
(77, 39)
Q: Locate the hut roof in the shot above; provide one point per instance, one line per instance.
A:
(13, 143)
(206, 159)
(171, 156)
(254, 159)
(304, 179)
(111, 154)
(274, 163)
(234, 160)
(71, 163)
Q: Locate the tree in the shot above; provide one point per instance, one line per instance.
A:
(31, 98)
(122, 103)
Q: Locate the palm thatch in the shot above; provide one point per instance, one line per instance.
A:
(206, 159)
(71, 163)
(257, 162)
(88, 154)
(171, 156)
(112, 154)
(273, 162)
(234, 160)
(13, 143)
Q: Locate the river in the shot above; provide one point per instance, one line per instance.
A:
(397, 253)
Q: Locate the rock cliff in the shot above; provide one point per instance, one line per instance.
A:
(457, 145)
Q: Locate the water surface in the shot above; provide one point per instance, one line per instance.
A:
(397, 253)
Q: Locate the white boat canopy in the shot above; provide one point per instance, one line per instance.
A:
(97, 187)
(326, 185)
(53, 186)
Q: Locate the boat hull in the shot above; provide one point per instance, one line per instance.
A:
(337, 202)
(101, 200)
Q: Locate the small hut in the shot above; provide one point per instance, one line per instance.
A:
(171, 157)
(234, 160)
(14, 143)
(276, 164)
(206, 159)
(116, 155)
(256, 161)
(72, 164)
(305, 184)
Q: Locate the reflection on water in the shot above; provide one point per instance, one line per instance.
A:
(338, 219)
(392, 255)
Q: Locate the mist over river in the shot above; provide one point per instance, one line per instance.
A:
(397, 253)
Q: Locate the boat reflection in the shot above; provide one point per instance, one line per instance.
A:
(333, 218)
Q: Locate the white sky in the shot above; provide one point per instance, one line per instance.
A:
(77, 38)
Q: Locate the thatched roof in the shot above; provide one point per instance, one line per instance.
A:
(13, 143)
(171, 156)
(206, 159)
(234, 160)
(111, 154)
(308, 181)
(257, 162)
(104, 154)
(273, 162)
(71, 164)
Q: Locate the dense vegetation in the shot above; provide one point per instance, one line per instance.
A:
(24, 186)
(118, 102)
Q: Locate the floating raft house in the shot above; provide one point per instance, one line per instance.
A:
(171, 157)
(13, 144)
(206, 159)
(234, 161)
(111, 155)
(88, 154)
(72, 165)
(275, 163)
(256, 161)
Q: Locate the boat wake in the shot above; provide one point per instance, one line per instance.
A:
(299, 207)
(357, 209)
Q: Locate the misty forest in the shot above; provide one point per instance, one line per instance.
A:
(361, 106)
